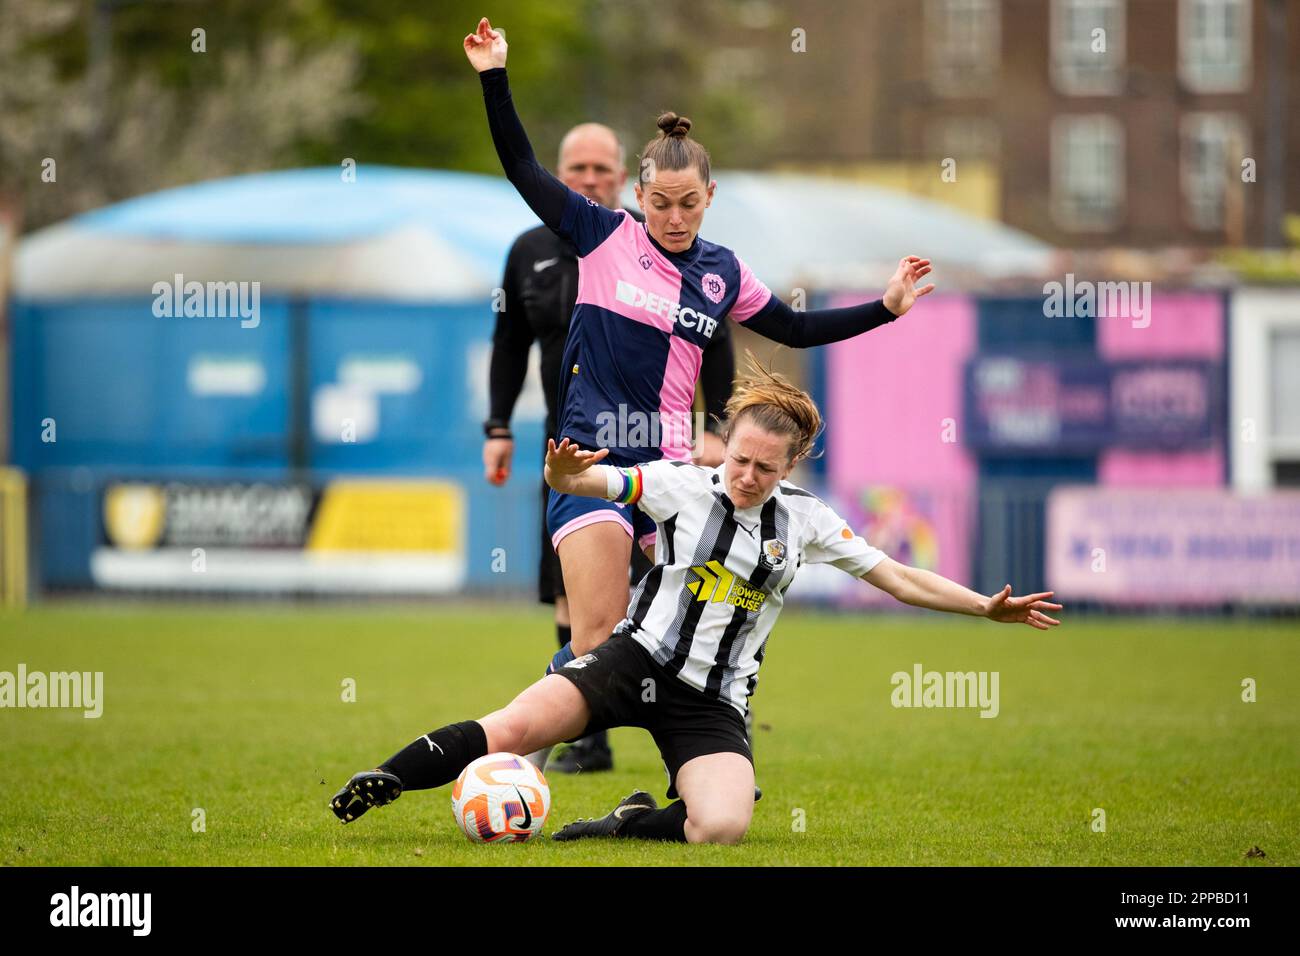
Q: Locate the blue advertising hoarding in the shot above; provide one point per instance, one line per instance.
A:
(1025, 404)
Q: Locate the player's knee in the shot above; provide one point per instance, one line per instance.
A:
(505, 730)
(594, 634)
(711, 826)
(601, 612)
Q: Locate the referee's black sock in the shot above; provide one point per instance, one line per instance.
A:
(438, 757)
(666, 824)
(564, 633)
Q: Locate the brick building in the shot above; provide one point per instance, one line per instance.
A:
(1110, 122)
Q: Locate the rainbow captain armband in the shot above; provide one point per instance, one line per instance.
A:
(624, 485)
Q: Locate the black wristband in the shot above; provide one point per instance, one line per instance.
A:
(497, 425)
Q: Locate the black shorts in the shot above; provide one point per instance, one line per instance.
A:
(625, 687)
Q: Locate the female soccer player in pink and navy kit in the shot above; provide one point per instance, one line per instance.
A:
(650, 296)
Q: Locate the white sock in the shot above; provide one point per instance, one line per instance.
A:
(538, 758)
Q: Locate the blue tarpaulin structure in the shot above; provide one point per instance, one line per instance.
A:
(373, 306)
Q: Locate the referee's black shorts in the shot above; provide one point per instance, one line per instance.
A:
(625, 687)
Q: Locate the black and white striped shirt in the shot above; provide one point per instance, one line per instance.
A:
(707, 607)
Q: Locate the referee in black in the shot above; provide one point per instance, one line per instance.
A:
(540, 290)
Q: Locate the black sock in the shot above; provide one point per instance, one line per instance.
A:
(564, 633)
(438, 757)
(666, 824)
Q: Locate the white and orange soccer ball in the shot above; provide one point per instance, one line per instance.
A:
(501, 798)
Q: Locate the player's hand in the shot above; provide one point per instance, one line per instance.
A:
(567, 459)
(485, 47)
(709, 450)
(497, 453)
(902, 291)
(1029, 609)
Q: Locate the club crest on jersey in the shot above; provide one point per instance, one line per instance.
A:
(773, 554)
(714, 287)
(578, 663)
(645, 261)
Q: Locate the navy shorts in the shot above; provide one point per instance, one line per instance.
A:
(565, 514)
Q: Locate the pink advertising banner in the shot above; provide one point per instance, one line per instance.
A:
(897, 465)
(1185, 546)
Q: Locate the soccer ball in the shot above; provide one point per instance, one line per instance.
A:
(501, 798)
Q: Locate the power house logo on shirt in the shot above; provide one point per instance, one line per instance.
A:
(719, 586)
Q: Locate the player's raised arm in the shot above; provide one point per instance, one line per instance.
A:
(545, 195)
(921, 588)
(569, 470)
(779, 322)
(902, 293)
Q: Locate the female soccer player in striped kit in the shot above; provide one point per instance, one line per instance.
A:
(649, 297)
(731, 541)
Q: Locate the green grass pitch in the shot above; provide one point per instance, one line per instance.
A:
(238, 710)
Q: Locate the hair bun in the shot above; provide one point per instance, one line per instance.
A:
(673, 125)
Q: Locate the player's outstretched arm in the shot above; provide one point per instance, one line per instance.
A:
(901, 293)
(921, 588)
(801, 330)
(545, 195)
(569, 470)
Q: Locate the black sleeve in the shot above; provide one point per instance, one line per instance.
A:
(801, 330)
(544, 194)
(511, 340)
(717, 374)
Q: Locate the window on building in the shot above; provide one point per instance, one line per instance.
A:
(1214, 145)
(962, 45)
(1087, 172)
(1214, 45)
(1088, 46)
(963, 137)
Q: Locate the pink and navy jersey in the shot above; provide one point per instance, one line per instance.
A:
(643, 314)
(642, 320)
